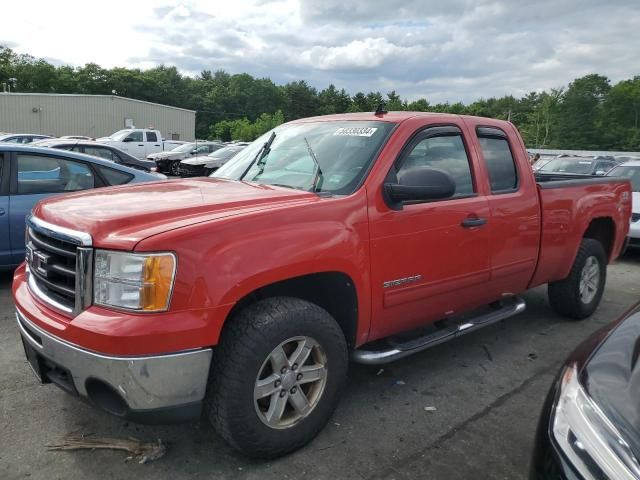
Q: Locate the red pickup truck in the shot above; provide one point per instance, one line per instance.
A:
(370, 235)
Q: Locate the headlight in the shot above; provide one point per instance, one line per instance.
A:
(587, 437)
(133, 281)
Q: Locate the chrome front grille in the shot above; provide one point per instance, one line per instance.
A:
(60, 263)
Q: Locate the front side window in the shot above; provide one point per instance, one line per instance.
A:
(45, 174)
(503, 176)
(343, 151)
(135, 137)
(152, 137)
(445, 153)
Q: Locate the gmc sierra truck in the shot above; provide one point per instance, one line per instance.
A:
(370, 236)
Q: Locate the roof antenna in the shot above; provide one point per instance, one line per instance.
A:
(380, 109)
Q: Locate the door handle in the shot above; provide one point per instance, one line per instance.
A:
(141, 144)
(2, 212)
(473, 222)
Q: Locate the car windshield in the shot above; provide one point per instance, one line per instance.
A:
(630, 173)
(226, 152)
(344, 151)
(187, 147)
(569, 165)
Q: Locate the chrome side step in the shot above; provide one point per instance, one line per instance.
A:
(395, 350)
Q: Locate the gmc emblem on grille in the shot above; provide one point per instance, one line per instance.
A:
(37, 260)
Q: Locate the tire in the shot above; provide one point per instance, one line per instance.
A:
(566, 296)
(174, 168)
(246, 349)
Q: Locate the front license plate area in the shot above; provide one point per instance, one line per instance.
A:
(34, 360)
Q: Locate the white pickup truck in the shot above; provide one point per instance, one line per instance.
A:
(139, 142)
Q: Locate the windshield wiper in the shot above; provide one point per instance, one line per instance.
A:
(318, 172)
(263, 152)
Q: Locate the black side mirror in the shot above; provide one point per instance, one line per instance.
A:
(128, 139)
(419, 184)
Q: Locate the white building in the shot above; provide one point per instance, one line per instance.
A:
(90, 115)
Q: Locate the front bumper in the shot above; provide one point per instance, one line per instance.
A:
(152, 388)
(188, 170)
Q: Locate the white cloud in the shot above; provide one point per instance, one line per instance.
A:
(446, 51)
(367, 53)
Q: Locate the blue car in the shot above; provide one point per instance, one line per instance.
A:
(29, 174)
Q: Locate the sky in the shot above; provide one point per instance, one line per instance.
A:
(444, 50)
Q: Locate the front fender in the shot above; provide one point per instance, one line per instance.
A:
(221, 262)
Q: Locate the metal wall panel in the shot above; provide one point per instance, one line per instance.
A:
(91, 115)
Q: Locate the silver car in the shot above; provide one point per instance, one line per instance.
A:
(631, 171)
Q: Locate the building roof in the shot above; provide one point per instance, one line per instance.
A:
(15, 94)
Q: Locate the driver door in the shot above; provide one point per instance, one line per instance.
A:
(135, 144)
(430, 259)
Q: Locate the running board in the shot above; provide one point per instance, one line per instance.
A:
(396, 350)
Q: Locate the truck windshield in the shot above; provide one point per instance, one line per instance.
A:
(343, 149)
(120, 135)
(630, 173)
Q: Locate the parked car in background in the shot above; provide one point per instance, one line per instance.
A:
(631, 171)
(29, 174)
(590, 423)
(169, 162)
(202, 166)
(108, 152)
(22, 137)
(579, 165)
(139, 142)
(373, 236)
(77, 137)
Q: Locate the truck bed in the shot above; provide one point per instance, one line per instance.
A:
(575, 206)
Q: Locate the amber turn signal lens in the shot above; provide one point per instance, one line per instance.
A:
(158, 275)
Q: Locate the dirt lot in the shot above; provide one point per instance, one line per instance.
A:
(487, 388)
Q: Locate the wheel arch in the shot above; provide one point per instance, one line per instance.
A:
(602, 229)
(334, 291)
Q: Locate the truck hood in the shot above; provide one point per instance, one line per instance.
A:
(120, 217)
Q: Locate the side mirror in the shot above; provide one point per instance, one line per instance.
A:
(419, 184)
(194, 151)
(128, 139)
(600, 172)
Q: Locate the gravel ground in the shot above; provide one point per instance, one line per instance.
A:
(487, 389)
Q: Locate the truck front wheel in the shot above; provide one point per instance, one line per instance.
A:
(578, 295)
(276, 376)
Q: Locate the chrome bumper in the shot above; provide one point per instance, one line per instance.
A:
(144, 383)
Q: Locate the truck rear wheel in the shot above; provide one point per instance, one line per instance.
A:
(276, 376)
(578, 295)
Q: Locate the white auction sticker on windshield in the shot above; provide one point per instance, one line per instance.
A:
(356, 131)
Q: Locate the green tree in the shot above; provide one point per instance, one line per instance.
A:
(580, 112)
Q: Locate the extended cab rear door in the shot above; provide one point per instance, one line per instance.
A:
(512, 194)
(153, 143)
(430, 259)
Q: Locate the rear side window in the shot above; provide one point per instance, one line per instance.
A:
(503, 175)
(152, 137)
(115, 177)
